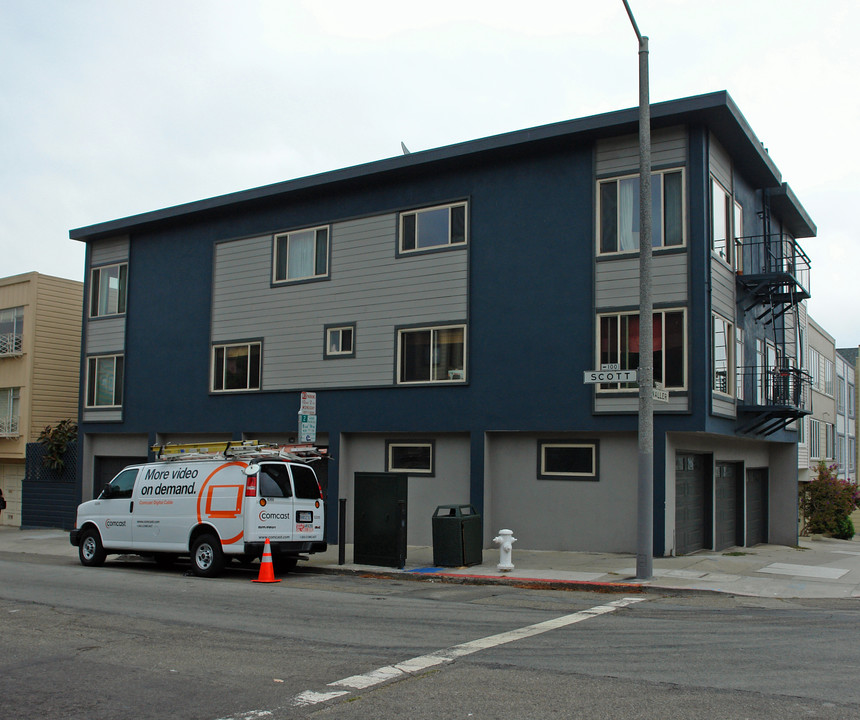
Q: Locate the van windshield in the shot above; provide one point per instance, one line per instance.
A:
(305, 480)
(275, 480)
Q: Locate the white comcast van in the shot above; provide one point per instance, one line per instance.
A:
(208, 509)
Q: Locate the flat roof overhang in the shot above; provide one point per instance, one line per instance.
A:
(717, 111)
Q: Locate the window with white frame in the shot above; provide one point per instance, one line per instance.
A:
(301, 255)
(828, 376)
(12, 331)
(722, 213)
(236, 367)
(618, 211)
(738, 233)
(415, 457)
(568, 460)
(431, 354)
(814, 439)
(815, 368)
(104, 381)
(10, 399)
(840, 395)
(840, 452)
(721, 346)
(433, 227)
(852, 454)
(618, 343)
(340, 341)
(108, 290)
(851, 400)
(801, 430)
(829, 441)
(739, 363)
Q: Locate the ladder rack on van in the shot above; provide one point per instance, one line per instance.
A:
(245, 449)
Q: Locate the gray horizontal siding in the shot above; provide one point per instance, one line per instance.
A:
(722, 289)
(368, 286)
(105, 336)
(617, 281)
(724, 407)
(720, 163)
(109, 251)
(607, 403)
(98, 415)
(620, 155)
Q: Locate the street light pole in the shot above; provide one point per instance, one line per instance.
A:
(645, 505)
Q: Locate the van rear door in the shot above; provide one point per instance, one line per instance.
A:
(272, 517)
(308, 504)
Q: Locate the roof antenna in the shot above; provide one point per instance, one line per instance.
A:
(405, 149)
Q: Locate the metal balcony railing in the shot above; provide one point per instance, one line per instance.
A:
(768, 262)
(9, 426)
(774, 398)
(10, 344)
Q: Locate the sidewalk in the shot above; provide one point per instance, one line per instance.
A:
(817, 568)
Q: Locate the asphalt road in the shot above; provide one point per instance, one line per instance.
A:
(132, 641)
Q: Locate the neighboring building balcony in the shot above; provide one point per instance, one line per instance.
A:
(9, 427)
(774, 270)
(778, 397)
(11, 344)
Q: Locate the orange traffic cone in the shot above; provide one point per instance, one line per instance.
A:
(267, 569)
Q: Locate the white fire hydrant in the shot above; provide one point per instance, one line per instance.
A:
(505, 540)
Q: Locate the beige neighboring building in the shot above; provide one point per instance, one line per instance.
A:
(818, 442)
(40, 356)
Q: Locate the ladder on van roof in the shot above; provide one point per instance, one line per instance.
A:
(251, 449)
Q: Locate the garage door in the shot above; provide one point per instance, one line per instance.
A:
(690, 503)
(756, 490)
(727, 506)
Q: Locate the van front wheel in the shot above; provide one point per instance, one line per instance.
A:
(207, 557)
(90, 549)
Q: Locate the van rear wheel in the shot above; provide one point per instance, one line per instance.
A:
(207, 557)
(90, 549)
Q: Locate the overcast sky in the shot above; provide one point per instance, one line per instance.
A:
(110, 108)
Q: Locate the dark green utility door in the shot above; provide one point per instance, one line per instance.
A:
(691, 527)
(380, 519)
(756, 506)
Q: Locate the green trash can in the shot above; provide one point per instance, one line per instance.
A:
(457, 536)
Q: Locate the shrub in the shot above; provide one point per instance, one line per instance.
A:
(826, 503)
(56, 441)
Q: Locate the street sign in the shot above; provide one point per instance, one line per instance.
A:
(307, 428)
(309, 403)
(593, 377)
(659, 394)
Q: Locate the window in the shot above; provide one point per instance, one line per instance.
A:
(104, 381)
(830, 441)
(236, 367)
(814, 439)
(434, 227)
(301, 255)
(760, 371)
(306, 483)
(619, 343)
(738, 232)
(828, 376)
(11, 331)
(339, 341)
(815, 368)
(122, 486)
(722, 381)
(840, 395)
(108, 289)
(722, 211)
(739, 363)
(413, 457)
(801, 430)
(562, 459)
(850, 399)
(9, 411)
(436, 354)
(619, 211)
(852, 451)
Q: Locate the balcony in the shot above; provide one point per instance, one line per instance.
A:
(10, 344)
(774, 398)
(774, 271)
(9, 426)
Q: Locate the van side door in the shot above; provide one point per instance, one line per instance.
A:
(114, 508)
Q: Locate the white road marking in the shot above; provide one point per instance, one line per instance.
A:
(441, 657)
(811, 571)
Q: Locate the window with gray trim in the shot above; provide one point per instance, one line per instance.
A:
(568, 459)
(340, 341)
(108, 290)
(301, 255)
(236, 367)
(415, 457)
(104, 381)
(432, 354)
(433, 227)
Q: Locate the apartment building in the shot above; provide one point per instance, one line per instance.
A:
(40, 344)
(446, 306)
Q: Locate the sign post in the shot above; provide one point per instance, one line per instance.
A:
(308, 418)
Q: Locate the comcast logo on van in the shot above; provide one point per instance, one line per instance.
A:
(273, 516)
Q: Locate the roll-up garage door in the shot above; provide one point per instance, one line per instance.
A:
(727, 506)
